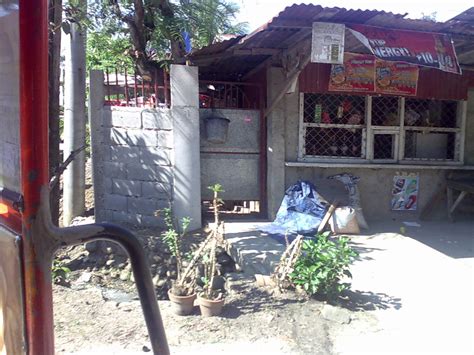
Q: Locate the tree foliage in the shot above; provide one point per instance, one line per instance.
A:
(151, 31)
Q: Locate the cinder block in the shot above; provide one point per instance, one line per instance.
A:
(157, 119)
(114, 170)
(126, 118)
(142, 138)
(124, 153)
(126, 187)
(115, 202)
(141, 205)
(108, 185)
(147, 172)
(152, 221)
(153, 155)
(116, 136)
(156, 189)
(163, 203)
(127, 218)
(165, 139)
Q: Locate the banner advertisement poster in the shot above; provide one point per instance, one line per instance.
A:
(357, 74)
(395, 78)
(327, 43)
(405, 192)
(434, 50)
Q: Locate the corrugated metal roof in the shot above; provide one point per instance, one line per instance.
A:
(466, 16)
(294, 23)
(218, 47)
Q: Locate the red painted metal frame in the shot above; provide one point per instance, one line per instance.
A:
(34, 170)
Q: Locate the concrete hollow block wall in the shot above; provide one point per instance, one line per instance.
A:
(147, 159)
(136, 155)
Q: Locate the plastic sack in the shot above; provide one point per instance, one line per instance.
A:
(300, 212)
(344, 220)
(350, 183)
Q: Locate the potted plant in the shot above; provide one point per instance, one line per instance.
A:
(182, 292)
(211, 301)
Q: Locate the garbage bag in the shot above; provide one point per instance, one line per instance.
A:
(300, 212)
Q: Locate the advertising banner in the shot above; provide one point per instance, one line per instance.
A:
(434, 50)
(357, 74)
(395, 78)
(327, 43)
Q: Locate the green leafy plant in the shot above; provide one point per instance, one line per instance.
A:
(60, 273)
(172, 237)
(322, 266)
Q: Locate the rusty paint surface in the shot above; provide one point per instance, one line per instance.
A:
(34, 172)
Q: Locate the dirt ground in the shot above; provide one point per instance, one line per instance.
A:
(90, 319)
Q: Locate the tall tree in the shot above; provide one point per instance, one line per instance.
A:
(156, 27)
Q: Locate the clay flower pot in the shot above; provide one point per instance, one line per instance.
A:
(210, 308)
(182, 305)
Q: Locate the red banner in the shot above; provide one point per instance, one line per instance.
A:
(395, 78)
(434, 50)
(356, 74)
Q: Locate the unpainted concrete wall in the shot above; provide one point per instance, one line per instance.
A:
(237, 172)
(145, 160)
(9, 102)
(375, 184)
(136, 155)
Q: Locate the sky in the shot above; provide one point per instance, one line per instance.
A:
(258, 12)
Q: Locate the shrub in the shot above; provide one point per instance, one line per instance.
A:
(322, 265)
(60, 273)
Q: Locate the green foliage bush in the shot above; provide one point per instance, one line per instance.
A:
(60, 273)
(322, 265)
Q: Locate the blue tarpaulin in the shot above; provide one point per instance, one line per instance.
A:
(300, 212)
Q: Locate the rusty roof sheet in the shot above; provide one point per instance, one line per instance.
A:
(218, 46)
(294, 24)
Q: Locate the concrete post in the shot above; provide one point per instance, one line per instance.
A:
(74, 124)
(187, 165)
(275, 143)
(96, 104)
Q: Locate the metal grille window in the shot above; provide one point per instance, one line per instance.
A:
(333, 126)
(432, 130)
(381, 129)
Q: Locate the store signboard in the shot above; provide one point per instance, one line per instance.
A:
(357, 74)
(9, 97)
(395, 78)
(434, 50)
(327, 44)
